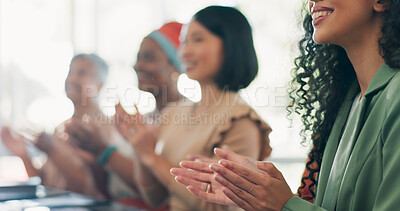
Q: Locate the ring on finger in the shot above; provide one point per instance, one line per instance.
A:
(208, 187)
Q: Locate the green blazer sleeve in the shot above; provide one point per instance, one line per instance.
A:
(298, 204)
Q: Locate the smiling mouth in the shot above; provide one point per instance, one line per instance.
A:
(319, 14)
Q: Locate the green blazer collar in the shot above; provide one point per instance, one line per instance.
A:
(381, 79)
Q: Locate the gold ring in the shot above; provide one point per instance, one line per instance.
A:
(208, 188)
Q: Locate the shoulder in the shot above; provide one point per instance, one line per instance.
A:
(392, 92)
(238, 109)
(177, 107)
(391, 110)
(243, 121)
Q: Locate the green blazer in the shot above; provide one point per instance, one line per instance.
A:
(372, 177)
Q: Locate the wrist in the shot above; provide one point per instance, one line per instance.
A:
(105, 155)
(149, 159)
(24, 156)
(100, 149)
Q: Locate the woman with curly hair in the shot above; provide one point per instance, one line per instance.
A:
(344, 88)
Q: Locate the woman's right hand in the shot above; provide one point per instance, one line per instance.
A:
(199, 179)
(197, 174)
(14, 142)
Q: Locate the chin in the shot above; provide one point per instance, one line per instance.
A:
(324, 38)
(74, 99)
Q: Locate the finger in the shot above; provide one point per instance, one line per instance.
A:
(190, 182)
(237, 200)
(195, 175)
(242, 193)
(77, 132)
(270, 169)
(210, 197)
(232, 180)
(136, 108)
(229, 155)
(241, 171)
(75, 142)
(120, 112)
(197, 166)
(28, 134)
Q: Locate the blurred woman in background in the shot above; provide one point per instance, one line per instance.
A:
(158, 67)
(218, 52)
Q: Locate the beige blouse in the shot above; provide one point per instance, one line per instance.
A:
(231, 122)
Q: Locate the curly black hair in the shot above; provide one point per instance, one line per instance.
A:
(322, 73)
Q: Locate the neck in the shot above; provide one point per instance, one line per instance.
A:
(91, 109)
(210, 94)
(365, 58)
(168, 95)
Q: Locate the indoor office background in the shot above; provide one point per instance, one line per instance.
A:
(39, 37)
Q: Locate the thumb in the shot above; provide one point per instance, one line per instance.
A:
(270, 169)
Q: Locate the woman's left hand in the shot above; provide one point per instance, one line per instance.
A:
(265, 189)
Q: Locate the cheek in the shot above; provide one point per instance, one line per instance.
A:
(214, 59)
(345, 24)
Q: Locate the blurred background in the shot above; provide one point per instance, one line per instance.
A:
(38, 38)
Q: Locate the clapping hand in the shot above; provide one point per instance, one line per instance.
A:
(141, 135)
(240, 181)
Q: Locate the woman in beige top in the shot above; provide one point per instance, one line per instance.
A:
(218, 52)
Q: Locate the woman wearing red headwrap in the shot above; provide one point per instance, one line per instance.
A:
(158, 68)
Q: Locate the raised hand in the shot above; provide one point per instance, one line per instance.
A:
(126, 123)
(141, 135)
(14, 142)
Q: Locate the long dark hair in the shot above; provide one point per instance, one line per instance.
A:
(322, 74)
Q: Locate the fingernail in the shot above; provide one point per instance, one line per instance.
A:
(214, 167)
(260, 163)
(223, 162)
(197, 160)
(218, 178)
(224, 146)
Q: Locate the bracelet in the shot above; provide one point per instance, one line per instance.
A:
(102, 159)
